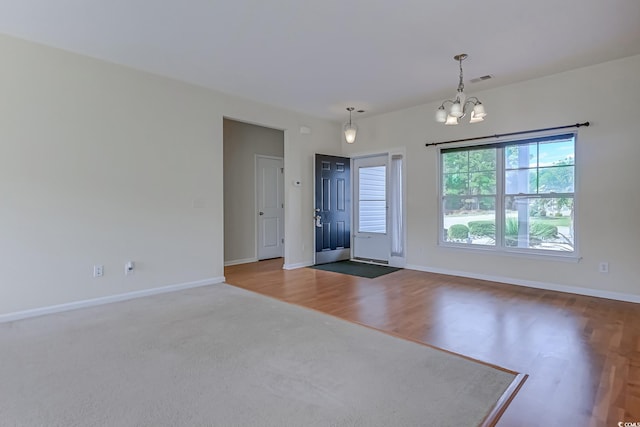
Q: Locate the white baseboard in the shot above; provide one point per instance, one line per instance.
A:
(10, 317)
(240, 261)
(619, 296)
(395, 261)
(297, 265)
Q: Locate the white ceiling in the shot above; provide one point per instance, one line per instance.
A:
(320, 56)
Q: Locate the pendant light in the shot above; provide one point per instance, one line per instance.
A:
(350, 129)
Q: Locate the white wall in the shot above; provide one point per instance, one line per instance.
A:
(242, 142)
(608, 175)
(100, 164)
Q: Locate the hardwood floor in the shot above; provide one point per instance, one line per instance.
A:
(582, 354)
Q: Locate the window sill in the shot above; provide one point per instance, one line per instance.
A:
(571, 257)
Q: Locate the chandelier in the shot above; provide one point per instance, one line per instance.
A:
(461, 105)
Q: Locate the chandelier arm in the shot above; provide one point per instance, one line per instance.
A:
(444, 102)
(474, 100)
(464, 107)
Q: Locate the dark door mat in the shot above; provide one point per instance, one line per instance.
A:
(370, 271)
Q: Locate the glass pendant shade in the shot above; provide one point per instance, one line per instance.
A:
(456, 109)
(350, 131)
(441, 115)
(451, 120)
(478, 110)
(475, 118)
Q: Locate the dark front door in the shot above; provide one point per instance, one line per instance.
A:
(333, 208)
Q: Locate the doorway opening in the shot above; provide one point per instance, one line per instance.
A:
(360, 213)
(379, 209)
(253, 183)
(371, 236)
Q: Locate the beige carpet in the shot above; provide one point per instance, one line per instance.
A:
(222, 356)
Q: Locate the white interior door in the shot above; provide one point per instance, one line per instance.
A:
(270, 206)
(371, 209)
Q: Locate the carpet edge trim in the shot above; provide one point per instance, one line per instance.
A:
(503, 402)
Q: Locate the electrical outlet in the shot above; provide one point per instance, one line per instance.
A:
(98, 270)
(603, 267)
(129, 267)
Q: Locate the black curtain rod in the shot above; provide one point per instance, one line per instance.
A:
(500, 135)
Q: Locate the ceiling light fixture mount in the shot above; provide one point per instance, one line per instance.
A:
(461, 104)
(350, 129)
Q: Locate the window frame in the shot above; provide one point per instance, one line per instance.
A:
(500, 246)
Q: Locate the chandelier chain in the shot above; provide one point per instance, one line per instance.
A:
(461, 84)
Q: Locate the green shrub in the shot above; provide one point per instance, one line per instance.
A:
(458, 231)
(537, 229)
(558, 214)
(511, 232)
(482, 228)
(542, 230)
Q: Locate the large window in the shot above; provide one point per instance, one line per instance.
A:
(514, 196)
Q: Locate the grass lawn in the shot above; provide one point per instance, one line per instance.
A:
(558, 221)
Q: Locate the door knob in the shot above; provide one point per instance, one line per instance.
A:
(261, 213)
